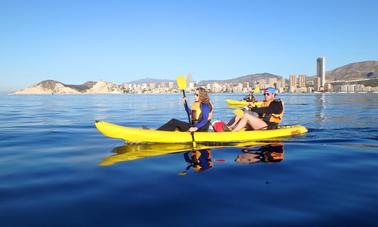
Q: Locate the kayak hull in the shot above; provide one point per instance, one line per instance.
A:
(140, 135)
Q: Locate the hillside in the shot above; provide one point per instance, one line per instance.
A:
(246, 78)
(354, 71)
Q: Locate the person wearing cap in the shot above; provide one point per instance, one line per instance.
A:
(268, 153)
(269, 114)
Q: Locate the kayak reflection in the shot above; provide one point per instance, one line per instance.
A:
(267, 153)
(131, 152)
(137, 151)
(199, 159)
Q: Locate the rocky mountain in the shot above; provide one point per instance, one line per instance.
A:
(56, 87)
(354, 71)
(48, 87)
(102, 87)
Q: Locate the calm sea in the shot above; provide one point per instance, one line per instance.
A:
(50, 174)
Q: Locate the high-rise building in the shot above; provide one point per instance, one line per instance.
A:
(292, 82)
(317, 84)
(280, 84)
(302, 81)
(320, 70)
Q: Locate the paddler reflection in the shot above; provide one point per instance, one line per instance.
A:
(198, 160)
(267, 153)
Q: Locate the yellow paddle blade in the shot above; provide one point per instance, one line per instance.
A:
(256, 90)
(181, 82)
(239, 113)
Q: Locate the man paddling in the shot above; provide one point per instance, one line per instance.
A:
(269, 114)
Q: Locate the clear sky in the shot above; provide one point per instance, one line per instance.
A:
(119, 41)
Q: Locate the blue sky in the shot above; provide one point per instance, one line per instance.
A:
(119, 41)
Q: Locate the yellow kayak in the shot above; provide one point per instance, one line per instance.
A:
(131, 152)
(232, 102)
(140, 135)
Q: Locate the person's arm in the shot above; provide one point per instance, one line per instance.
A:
(274, 107)
(205, 110)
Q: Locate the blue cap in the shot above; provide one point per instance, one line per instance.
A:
(271, 90)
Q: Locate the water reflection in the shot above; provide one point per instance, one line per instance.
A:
(130, 152)
(266, 153)
(320, 108)
(198, 159)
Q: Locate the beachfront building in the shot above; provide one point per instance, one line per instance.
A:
(292, 83)
(317, 84)
(302, 81)
(261, 83)
(280, 85)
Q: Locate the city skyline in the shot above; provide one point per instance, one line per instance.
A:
(354, 77)
(78, 41)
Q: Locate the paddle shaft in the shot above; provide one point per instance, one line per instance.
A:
(186, 107)
(187, 112)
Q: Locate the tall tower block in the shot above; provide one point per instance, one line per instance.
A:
(320, 70)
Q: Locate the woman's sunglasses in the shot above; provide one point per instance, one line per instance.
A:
(266, 94)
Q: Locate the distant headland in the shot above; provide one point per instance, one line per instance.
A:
(354, 77)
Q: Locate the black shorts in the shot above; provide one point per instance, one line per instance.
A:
(272, 125)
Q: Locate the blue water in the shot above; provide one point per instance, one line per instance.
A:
(50, 174)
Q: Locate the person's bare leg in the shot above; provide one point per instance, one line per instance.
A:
(254, 122)
(242, 123)
(236, 120)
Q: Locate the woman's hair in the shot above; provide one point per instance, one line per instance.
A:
(203, 95)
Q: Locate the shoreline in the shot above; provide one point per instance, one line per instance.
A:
(175, 93)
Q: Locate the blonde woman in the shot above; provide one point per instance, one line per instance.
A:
(201, 113)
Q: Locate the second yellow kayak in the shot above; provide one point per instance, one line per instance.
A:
(232, 102)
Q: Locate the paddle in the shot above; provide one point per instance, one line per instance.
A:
(181, 83)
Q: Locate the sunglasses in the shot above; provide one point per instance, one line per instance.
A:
(266, 94)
